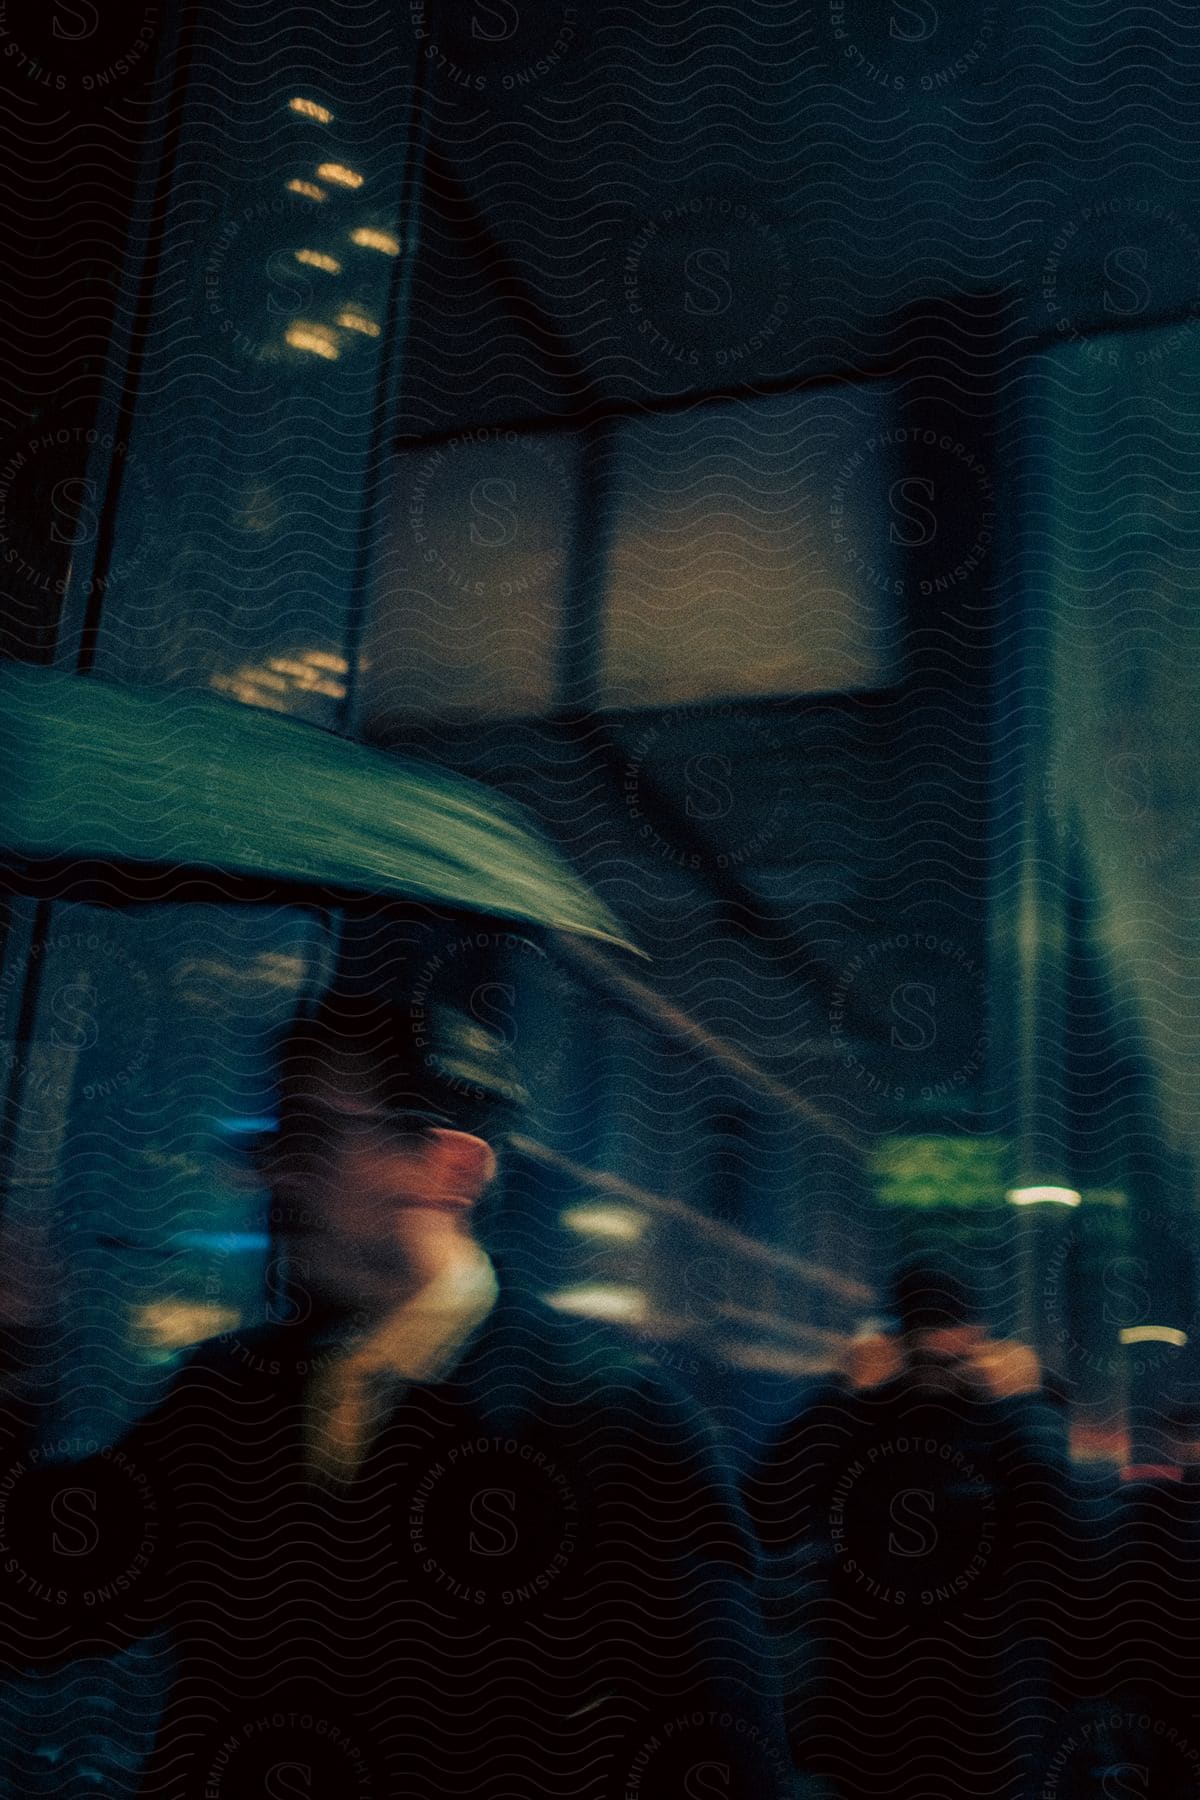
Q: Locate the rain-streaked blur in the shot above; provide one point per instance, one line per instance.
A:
(721, 486)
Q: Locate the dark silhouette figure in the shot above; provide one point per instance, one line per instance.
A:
(900, 1517)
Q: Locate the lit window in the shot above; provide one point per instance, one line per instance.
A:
(310, 109)
(309, 189)
(356, 321)
(318, 340)
(729, 573)
(340, 175)
(482, 529)
(317, 259)
(370, 239)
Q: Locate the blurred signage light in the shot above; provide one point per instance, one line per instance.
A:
(311, 109)
(317, 259)
(1044, 1196)
(937, 1171)
(339, 175)
(1153, 1334)
(370, 239)
(309, 189)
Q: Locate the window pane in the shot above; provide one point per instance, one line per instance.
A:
(466, 614)
(751, 553)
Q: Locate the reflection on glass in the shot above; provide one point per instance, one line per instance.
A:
(309, 189)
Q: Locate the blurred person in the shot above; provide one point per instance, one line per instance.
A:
(417, 1533)
(895, 1511)
(939, 1341)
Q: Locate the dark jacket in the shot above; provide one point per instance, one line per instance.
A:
(904, 1525)
(539, 1581)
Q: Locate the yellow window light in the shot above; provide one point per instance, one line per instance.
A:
(310, 109)
(619, 1222)
(309, 189)
(326, 659)
(246, 689)
(356, 321)
(1153, 1334)
(317, 259)
(308, 679)
(255, 678)
(318, 340)
(370, 239)
(1044, 1196)
(339, 175)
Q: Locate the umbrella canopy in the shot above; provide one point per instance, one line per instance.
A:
(181, 780)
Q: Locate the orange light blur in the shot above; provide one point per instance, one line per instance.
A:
(311, 109)
(317, 259)
(370, 239)
(318, 340)
(356, 321)
(339, 175)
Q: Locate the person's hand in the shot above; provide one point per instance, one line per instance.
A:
(870, 1361)
(1006, 1367)
(949, 1343)
(965, 1356)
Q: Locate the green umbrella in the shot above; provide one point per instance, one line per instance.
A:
(183, 781)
